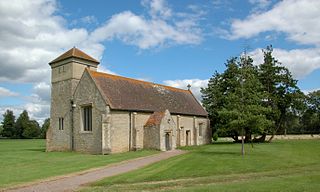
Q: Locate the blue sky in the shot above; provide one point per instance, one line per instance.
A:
(168, 42)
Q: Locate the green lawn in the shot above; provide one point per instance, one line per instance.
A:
(278, 166)
(26, 160)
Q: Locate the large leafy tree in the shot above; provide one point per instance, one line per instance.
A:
(311, 117)
(313, 100)
(44, 128)
(234, 100)
(32, 130)
(22, 124)
(282, 92)
(8, 124)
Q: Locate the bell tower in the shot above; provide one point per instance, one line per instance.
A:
(66, 71)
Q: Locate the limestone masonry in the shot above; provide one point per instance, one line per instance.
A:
(100, 113)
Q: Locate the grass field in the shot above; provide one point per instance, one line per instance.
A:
(26, 160)
(278, 166)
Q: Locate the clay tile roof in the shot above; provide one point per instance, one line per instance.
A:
(155, 118)
(130, 94)
(74, 52)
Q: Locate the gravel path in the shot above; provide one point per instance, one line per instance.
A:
(72, 183)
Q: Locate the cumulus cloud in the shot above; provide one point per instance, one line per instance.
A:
(260, 5)
(36, 111)
(157, 8)
(32, 33)
(7, 93)
(196, 85)
(151, 32)
(300, 62)
(298, 19)
(102, 69)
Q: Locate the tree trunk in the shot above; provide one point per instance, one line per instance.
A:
(247, 137)
(235, 138)
(275, 131)
(260, 139)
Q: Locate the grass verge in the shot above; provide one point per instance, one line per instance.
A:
(278, 166)
(24, 161)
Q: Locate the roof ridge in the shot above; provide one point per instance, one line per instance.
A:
(76, 53)
(141, 81)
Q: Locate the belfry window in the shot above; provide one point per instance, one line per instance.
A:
(61, 125)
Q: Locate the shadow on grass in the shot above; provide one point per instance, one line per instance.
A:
(223, 143)
(37, 150)
(233, 153)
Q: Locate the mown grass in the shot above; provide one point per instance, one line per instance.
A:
(278, 166)
(26, 160)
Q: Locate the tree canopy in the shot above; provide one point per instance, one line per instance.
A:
(257, 99)
(22, 128)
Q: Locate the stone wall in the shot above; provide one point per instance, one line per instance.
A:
(151, 137)
(120, 131)
(139, 120)
(65, 76)
(88, 94)
(168, 126)
(191, 124)
(61, 94)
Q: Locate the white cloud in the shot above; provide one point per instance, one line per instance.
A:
(102, 69)
(306, 92)
(259, 5)
(37, 112)
(43, 91)
(196, 85)
(298, 19)
(32, 34)
(148, 33)
(157, 8)
(300, 62)
(7, 93)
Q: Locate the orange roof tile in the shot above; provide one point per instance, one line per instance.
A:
(74, 52)
(155, 118)
(135, 95)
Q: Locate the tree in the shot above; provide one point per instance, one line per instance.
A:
(32, 130)
(1, 128)
(282, 93)
(311, 117)
(313, 100)
(234, 100)
(8, 124)
(44, 128)
(22, 123)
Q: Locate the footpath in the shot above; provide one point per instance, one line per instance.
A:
(74, 182)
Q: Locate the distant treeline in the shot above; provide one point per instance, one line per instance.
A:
(23, 127)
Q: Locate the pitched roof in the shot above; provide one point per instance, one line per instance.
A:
(74, 52)
(155, 118)
(130, 94)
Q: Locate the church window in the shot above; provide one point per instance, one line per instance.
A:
(200, 129)
(61, 123)
(87, 118)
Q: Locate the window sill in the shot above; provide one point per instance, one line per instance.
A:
(85, 132)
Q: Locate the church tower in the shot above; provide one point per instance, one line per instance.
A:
(66, 71)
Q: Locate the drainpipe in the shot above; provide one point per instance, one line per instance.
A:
(73, 106)
(130, 130)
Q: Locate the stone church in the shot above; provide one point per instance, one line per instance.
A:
(100, 113)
